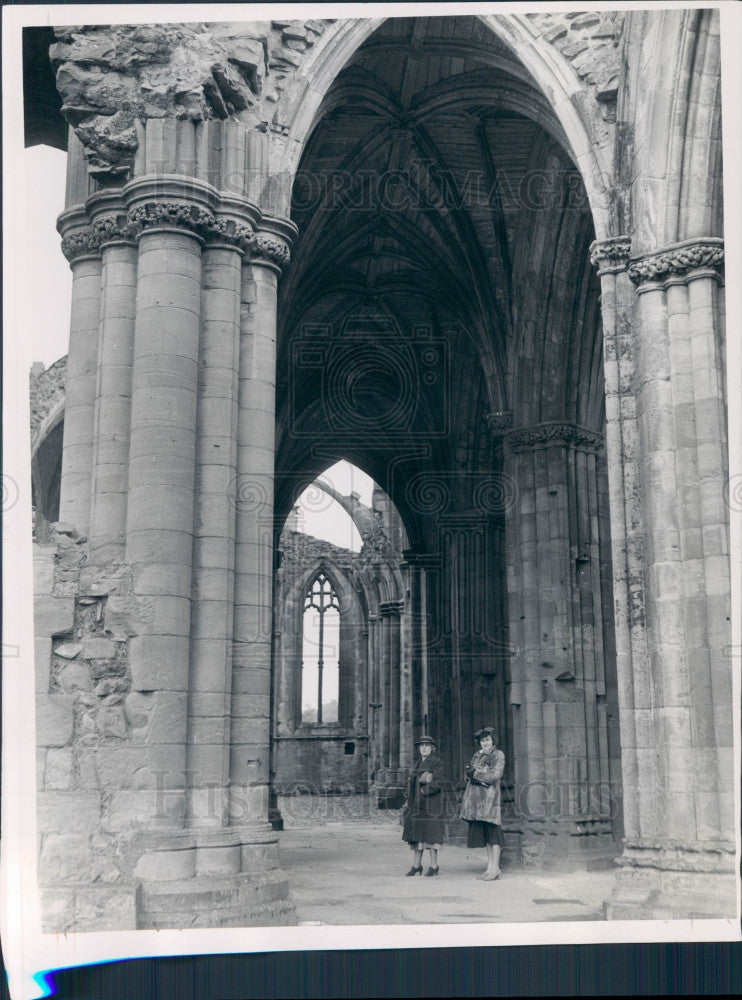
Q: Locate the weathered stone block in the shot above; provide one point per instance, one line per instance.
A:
(58, 769)
(138, 767)
(57, 910)
(68, 650)
(54, 720)
(42, 663)
(130, 809)
(209, 763)
(209, 730)
(110, 907)
(43, 569)
(53, 615)
(248, 804)
(209, 703)
(68, 812)
(138, 705)
(250, 731)
(166, 866)
(250, 680)
(166, 721)
(110, 721)
(76, 676)
(159, 663)
(217, 860)
(98, 649)
(64, 858)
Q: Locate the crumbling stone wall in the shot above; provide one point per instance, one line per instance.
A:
(112, 78)
(87, 732)
(589, 41)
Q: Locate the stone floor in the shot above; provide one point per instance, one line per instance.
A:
(346, 862)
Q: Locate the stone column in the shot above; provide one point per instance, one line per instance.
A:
(678, 850)
(360, 719)
(556, 622)
(374, 695)
(627, 526)
(385, 687)
(81, 247)
(390, 736)
(162, 457)
(407, 659)
(214, 533)
(394, 623)
(253, 494)
(110, 478)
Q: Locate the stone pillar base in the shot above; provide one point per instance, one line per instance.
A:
(244, 900)
(212, 878)
(390, 787)
(561, 845)
(653, 894)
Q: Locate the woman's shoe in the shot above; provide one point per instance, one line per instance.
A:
(415, 871)
(432, 871)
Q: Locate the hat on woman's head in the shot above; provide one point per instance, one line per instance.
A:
(426, 739)
(487, 731)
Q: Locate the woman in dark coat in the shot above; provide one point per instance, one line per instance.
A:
(423, 816)
(480, 806)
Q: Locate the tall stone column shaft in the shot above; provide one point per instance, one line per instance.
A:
(394, 625)
(374, 695)
(110, 480)
(213, 541)
(386, 688)
(80, 245)
(159, 535)
(627, 527)
(253, 492)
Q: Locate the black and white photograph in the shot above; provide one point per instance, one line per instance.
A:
(372, 478)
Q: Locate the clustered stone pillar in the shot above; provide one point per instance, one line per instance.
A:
(562, 767)
(170, 468)
(675, 677)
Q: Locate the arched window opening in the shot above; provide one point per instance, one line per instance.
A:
(320, 653)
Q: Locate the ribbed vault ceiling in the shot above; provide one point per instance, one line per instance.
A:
(421, 197)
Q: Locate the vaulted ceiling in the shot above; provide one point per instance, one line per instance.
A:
(436, 198)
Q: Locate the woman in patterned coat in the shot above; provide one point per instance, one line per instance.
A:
(480, 806)
(424, 826)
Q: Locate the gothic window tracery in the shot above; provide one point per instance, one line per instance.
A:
(320, 661)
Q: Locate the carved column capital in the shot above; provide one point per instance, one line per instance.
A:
(149, 215)
(114, 228)
(555, 433)
(500, 424)
(680, 262)
(389, 608)
(267, 248)
(81, 243)
(610, 256)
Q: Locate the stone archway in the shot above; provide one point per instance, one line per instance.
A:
(509, 416)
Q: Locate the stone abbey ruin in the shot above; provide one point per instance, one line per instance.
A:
(482, 259)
